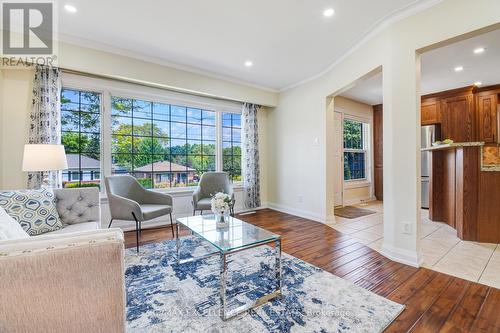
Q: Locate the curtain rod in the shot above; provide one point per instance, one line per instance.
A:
(151, 85)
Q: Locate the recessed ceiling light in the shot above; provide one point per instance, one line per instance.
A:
(479, 50)
(329, 12)
(248, 63)
(70, 8)
(459, 68)
(478, 83)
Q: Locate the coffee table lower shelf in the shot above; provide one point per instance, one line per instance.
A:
(224, 312)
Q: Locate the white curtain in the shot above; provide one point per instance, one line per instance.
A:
(45, 118)
(250, 158)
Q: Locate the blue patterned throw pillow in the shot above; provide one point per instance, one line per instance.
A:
(35, 210)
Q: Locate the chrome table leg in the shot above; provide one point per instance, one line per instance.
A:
(223, 284)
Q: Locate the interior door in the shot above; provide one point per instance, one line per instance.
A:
(338, 159)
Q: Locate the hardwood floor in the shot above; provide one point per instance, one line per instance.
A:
(435, 302)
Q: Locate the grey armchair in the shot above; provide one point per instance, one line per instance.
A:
(129, 201)
(211, 183)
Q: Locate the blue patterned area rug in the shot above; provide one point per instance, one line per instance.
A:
(163, 296)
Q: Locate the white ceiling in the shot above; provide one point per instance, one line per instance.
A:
(288, 40)
(438, 69)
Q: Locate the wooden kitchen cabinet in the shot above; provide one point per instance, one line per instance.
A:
(430, 112)
(487, 117)
(378, 151)
(457, 118)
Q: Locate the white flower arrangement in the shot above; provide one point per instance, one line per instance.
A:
(221, 203)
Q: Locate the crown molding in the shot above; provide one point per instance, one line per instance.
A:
(415, 7)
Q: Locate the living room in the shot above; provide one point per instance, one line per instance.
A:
(174, 173)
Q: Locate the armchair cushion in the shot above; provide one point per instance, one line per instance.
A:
(204, 204)
(35, 210)
(150, 211)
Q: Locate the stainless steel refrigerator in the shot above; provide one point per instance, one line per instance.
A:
(430, 134)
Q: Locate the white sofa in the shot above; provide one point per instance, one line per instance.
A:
(69, 280)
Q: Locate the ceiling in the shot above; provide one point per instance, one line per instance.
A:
(288, 41)
(438, 72)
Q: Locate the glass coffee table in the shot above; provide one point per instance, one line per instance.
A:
(235, 237)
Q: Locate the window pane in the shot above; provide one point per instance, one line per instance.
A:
(121, 106)
(208, 117)
(121, 144)
(354, 165)
(90, 122)
(226, 119)
(70, 96)
(161, 128)
(142, 109)
(194, 116)
(142, 127)
(178, 130)
(81, 137)
(231, 145)
(121, 164)
(161, 111)
(353, 134)
(178, 113)
(121, 125)
(194, 131)
(208, 148)
(70, 121)
(208, 133)
(236, 120)
(90, 98)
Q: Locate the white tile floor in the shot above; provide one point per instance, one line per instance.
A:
(442, 250)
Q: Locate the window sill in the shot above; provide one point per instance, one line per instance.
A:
(177, 192)
(356, 183)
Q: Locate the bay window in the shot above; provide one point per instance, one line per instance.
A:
(163, 142)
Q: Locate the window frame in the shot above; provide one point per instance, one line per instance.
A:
(108, 88)
(365, 150)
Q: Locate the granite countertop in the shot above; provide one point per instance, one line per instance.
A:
(454, 145)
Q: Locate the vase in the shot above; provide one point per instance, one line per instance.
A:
(222, 219)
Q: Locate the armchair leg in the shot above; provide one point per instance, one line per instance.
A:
(109, 225)
(136, 231)
(172, 225)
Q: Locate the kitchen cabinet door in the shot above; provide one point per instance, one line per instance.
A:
(457, 118)
(487, 117)
(429, 112)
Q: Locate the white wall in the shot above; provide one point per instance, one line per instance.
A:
(357, 191)
(299, 167)
(16, 103)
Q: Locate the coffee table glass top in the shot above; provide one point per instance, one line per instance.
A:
(238, 234)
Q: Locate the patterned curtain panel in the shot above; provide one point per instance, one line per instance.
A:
(250, 158)
(45, 118)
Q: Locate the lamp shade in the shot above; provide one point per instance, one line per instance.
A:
(40, 157)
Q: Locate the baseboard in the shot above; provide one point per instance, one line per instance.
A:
(297, 212)
(358, 201)
(411, 258)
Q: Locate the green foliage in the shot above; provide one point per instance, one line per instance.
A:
(353, 134)
(145, 182)
(78, 185)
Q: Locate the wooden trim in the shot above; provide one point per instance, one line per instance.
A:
(451, 93)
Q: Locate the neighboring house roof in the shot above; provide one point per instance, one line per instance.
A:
(164, 166)
(86, 162)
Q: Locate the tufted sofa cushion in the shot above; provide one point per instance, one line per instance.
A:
(78, 205)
